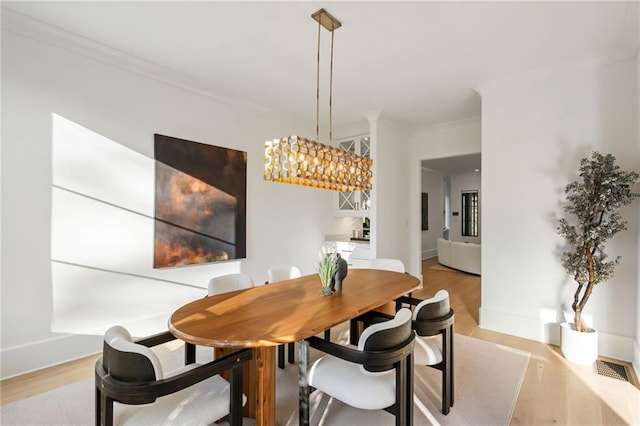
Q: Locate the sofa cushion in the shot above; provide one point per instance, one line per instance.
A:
(460, 255)
(444, 251)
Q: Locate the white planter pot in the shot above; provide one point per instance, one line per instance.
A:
(578, 347)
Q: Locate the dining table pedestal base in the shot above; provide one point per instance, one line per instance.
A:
(258, 384)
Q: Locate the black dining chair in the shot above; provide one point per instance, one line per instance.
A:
(433, 321)
(132, 387)
(378, 374)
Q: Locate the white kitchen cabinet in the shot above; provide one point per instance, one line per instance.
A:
(354, 203)
(347, 248)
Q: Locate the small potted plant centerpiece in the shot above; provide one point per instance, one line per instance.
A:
(592, 206)
(332, 269)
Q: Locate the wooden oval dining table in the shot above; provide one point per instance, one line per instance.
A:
(265, 316)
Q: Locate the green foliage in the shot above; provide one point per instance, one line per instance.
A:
(327, 267)
(592, 218)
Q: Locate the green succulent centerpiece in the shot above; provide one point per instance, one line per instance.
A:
(327, 267)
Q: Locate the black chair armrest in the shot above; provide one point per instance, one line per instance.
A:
(409, 300)
(142, 393)
(372, 317)
(156, 339)
(370, 359)
(412, 301)
(422, 327)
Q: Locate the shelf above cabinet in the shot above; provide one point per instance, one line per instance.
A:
(354, 203)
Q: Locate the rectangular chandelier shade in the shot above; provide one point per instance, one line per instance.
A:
(301, 161)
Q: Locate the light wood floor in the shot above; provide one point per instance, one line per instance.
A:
(553, 391)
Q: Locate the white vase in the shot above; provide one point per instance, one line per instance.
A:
(576, 346)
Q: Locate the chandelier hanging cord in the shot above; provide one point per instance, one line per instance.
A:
(325, 19)
(331, 94)
(318, 88)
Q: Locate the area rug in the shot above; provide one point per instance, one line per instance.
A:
(488, 378)
(487, 382)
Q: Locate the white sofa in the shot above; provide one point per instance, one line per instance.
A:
(459, 255)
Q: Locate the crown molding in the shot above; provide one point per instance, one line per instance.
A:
(57, 37)
(592, 62)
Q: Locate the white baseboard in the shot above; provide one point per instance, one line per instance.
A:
(46, 353)
(427, 254)
(636, 359)
(515, 325)
(609, 345)
(61, 348)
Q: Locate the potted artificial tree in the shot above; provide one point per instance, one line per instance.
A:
(592, 206)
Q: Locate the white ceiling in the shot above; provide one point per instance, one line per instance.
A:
(419, 62)
(451, 166)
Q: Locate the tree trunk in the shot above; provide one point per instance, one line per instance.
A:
(577, 319)
(580, 325)
(579, 306)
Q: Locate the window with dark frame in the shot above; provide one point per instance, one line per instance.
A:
(469, 213)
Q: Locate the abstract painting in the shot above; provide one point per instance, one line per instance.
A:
(200, 203)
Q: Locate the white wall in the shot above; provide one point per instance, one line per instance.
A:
(441, 141)
(459, 183)
(285, 223)
(432, 183)
(535, 129)
(636, 350)
(390, 214)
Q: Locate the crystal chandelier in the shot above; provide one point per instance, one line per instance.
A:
(301, 161)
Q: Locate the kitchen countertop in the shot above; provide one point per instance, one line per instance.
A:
(346, 238)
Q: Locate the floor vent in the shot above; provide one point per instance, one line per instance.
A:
(613, 370)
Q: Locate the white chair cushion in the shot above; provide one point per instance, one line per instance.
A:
(281, 273)
(359, 258)
(230, 282)
(350, 382)
(200, 404)
(428, 350)
(344, 381)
